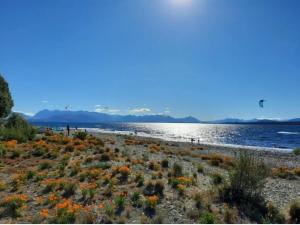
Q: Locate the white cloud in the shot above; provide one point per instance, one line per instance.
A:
(45, 101)
(140, 110)
(101, 109)
(167, 111)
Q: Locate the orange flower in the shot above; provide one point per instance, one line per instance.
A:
(185, 180)
(44, 213)
(124, 170)
(18, 199)
(152, 201)
(11, 144)
(53, 197)
(69, 206)
(101, 206)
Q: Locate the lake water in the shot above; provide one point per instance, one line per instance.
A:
(271, 136)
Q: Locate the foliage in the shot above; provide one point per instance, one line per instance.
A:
(217, 178)
(200, 168)
(247, 180)
(17, 128)
(152, 188)
(208, 218)
(296, 151)
(13, 204)
(177, 170)
(6, 101)
(247, 177)
(80, 135)
(120, 201)
(295, 212)
(151, 202)
(165, 163)
(136, 199)
(66, 212)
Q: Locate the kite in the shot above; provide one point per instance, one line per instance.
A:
(261, 103)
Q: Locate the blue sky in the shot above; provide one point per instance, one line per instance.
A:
(207, 58)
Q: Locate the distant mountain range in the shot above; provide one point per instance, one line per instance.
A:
(255, 121)
(59, 116)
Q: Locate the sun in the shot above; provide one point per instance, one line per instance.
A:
(181, 3)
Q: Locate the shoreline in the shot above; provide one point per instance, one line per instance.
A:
(273, 156)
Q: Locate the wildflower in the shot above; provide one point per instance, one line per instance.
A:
(152, 201)
(11, 144)
(44, 213)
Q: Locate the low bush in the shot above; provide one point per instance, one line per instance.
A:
(284, 173)
(230, 215)
(2, 150)
(177, 170)
(247, 179)
(154, 188)
(198, 198)
(200, 168)
(45, 165)
(208, 218)
(105, 157)
(88, 191)
(296, 151)
(17, 128)
(66, 212)
(165, 163)
(217, 178)
(69, 188)
(151, 202)
(139, 179)
(80, 135)
(295, 212)
(13, 204)
(273, 215)
(120, 202)
(136, 199)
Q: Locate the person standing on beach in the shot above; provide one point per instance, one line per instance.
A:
(68, 130)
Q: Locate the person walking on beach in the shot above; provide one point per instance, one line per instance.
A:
(68, 130)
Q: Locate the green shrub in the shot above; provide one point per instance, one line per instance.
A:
(198, 198)
(105, 157)
(30, 174)
(248, 177)
(295, 212)
(38, 152)
(14, 154)
(154, 189)
(273, 215)
(2, 150)
(208, 218)
(81, 135)
(16, 128)
(136, 199)
(120, 202)
(217, 178)
(6, 101)
(45, 165)
(69, 189)
(165, 163)
(139, 179)
(296, 151)
(177, 170)
(200, 168)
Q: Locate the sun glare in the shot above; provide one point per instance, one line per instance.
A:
(181, 3)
